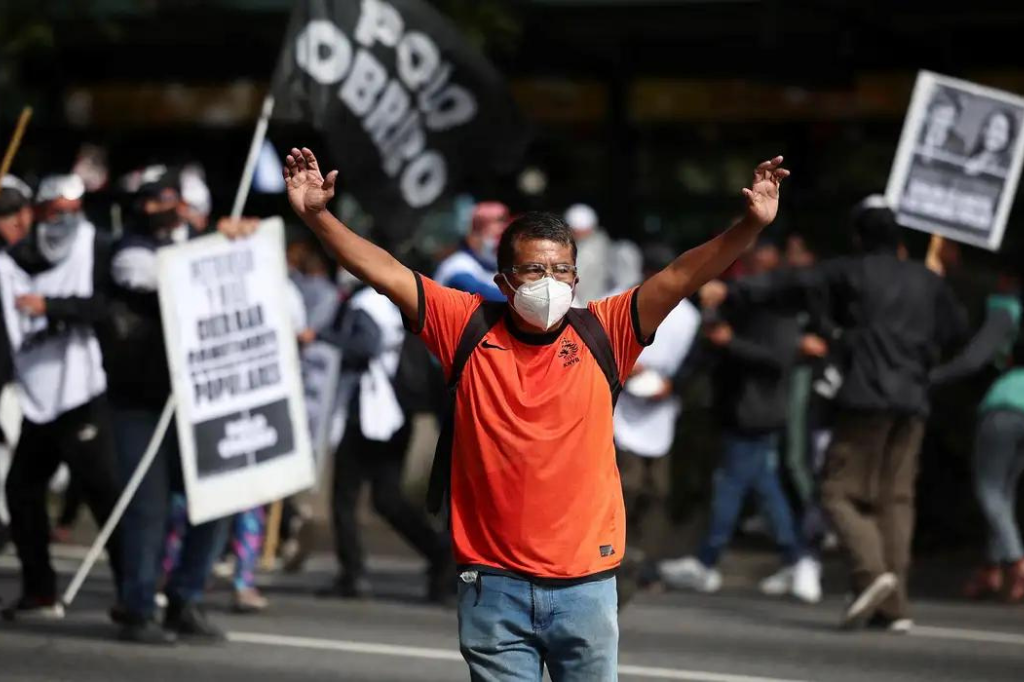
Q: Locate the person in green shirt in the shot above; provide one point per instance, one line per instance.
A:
(999, 442)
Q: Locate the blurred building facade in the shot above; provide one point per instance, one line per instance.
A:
(651, 110)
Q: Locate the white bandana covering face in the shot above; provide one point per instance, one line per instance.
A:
(542, 303)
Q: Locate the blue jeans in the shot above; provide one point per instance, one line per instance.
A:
(509, 629)
(145, 521)
(998, 465)
(749, 462)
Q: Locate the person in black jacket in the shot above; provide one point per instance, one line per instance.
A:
(140, 385)
(898, 318)
(53, 292)
(757, 348)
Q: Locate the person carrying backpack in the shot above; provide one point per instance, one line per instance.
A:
(533, 492)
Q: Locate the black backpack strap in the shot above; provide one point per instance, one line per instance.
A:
(594, 336)
(480, 322)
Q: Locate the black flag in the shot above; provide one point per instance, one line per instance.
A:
(409, 109)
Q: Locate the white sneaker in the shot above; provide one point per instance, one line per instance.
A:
(901, 626)
(225, 568)
(779, 583)
(807, 581)
(864, 606)
(690, 574)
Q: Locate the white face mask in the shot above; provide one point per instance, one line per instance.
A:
(57, 236)
(542, 303)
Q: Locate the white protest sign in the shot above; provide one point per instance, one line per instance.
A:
(321, 368)
(235, 372)
(958, 161)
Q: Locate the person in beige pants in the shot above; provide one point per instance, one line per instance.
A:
(868, 492)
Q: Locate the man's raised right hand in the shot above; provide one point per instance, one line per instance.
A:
(308, 191)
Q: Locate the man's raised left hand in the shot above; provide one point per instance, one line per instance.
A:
(763, 194)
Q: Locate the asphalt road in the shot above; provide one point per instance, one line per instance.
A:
(737, 636)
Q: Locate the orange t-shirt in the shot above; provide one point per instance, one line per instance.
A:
(535, 488)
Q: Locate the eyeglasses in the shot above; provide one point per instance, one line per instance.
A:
(531, 272)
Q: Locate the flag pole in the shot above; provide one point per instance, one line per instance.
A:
(15, 143)
(165, 418)
(254, 154)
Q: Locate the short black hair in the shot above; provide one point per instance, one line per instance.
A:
(11, 201)
(533, 226)
(876, 230)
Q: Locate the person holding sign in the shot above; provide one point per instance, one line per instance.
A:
(139, 384)
(898, 316)
(527, 458)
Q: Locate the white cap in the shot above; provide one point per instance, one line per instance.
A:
(54, 187)
(581, 218)
(194, 191)
(873, 201)
(18, 185)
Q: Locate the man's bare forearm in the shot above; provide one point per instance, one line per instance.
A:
(368, 262)
(703, 263)
(687, 273)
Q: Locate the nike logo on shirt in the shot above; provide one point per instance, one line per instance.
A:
(485, 344)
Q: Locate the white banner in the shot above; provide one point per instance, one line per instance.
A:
(321, 368)
(235, 372)
(959, 160)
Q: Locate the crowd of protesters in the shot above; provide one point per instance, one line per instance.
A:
(821, 371)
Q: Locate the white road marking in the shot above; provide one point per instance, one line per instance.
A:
(968, 635)
(448, 655)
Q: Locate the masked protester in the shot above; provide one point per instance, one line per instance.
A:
(526, 461)
(53, 289)
(899, 316)
(15, 222)
(472, 268)
(139, 387)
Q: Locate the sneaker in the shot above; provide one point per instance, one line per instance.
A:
(898, 626)
(249, 601)
(1015, 582)
(189, 621)
(807, 581)
(864, 605)
(120, 615)
(779, 583)
(225, 568)
(901, 626)
(984, 583)
(35, 608)
(148, 632)
(690, 574)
